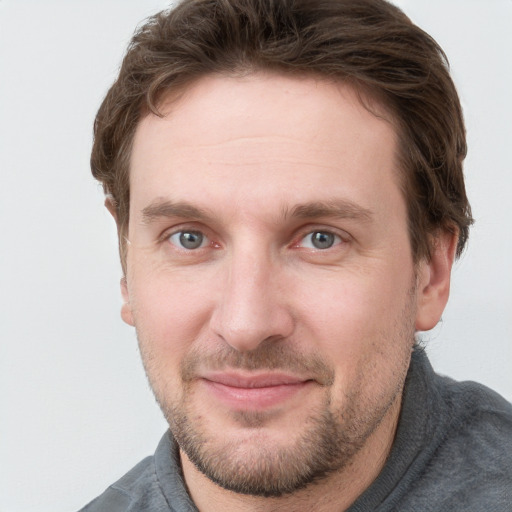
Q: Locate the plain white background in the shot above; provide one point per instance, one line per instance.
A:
(76, 412)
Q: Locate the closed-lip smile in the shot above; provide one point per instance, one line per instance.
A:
(253, 390)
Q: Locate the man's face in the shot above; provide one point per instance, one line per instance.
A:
(270, 276)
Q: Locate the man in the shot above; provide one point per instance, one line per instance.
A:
(286, 177)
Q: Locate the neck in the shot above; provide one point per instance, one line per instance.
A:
(335, 492)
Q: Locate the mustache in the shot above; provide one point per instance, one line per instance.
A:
(269, 355)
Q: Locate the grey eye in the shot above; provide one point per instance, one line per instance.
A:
(188, 239)
(320, 240)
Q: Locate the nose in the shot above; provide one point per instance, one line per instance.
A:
(252, 306)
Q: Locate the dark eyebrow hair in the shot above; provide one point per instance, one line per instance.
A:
(338, 208)
(166, 208)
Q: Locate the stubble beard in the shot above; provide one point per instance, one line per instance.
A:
(257, 467)
(255, 464)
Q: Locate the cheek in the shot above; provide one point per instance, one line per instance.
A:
(169, 318)
(169, 313)
(355, 320)
(365, 333)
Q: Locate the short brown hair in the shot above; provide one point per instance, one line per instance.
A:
(369, 43)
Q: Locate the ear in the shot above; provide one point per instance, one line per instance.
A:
(434, 281)
(126, 308)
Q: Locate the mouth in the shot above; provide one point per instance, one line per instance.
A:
(260, 391)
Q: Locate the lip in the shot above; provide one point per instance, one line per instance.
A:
(261, 391)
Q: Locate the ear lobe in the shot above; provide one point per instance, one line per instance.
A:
(434, 281)
(126, 309)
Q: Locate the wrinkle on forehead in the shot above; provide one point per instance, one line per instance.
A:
(229, 121)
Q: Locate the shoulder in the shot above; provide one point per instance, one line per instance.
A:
(136, 490)
(153, 485)
(477, 412)
(470, 467)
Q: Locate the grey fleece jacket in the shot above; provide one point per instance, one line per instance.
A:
(452, 453)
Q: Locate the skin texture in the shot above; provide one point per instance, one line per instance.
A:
(278, 362)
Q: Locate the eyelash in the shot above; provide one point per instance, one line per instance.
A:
(168, 235)
(189, 232)
(336, 239)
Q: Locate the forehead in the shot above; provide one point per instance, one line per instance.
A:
(263, 136)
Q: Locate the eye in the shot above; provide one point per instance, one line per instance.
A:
(320, 240)
(189, 240)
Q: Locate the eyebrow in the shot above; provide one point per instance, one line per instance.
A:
(335, 208)
(167, 209)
